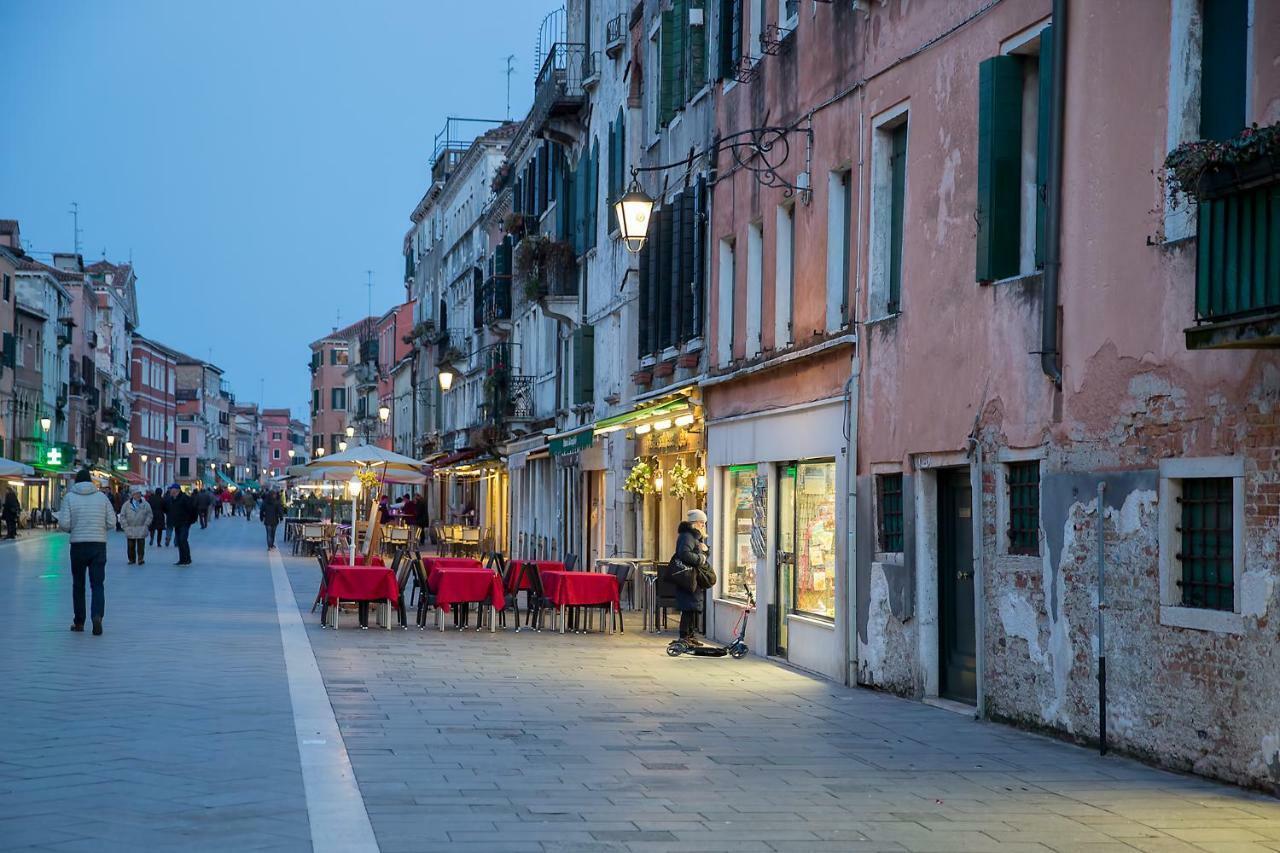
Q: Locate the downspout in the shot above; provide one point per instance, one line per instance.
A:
(851, 522)
(1049, 344)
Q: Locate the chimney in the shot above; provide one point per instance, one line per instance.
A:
(10, 235)
(68, 262)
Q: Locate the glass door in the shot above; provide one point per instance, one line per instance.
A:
(785, 559)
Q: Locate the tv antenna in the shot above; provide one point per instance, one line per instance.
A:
(511, 69)
(369, 284)
(75, 220)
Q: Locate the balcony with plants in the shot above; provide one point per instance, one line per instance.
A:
(1235, 187)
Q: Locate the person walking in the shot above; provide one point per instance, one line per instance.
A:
(271, 514)
(9, 512)
(181, 514)
(687, 572)
(117, 501)
(249, 505)
(204, 501)
(135, 520)
(87, 514)
(156, 501)
(421, 517)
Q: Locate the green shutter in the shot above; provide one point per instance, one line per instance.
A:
(999, 166)
(9, 356)
(1223, 72)
(679, 37)
(584, 354)
(580, 204)
(564, 205)
(667, 75)
(730, 37)
(897, 207)
(697, 50)
(593, 196)
(1042, 139)
(622, 153)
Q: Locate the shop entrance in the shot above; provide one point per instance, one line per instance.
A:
(804, 554)
(784, 560)
(957, 638)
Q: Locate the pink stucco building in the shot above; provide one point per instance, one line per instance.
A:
(977, 321)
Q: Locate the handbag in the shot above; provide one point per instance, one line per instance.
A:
(681, 576)
(706, 577)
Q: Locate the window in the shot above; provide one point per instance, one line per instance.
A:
(755, 26)
(814, 577)
(673, 271)
(739, 507)
(184, 466)
(333, 442)
(730, 37)
(277, 436)
(839, 240)
(315, 400)
(8, 284)
(788, 13)
(1201, 524)
(1013, 138)
(889, 505)
(1023, 482)
(783, 274)
(755, 287)
(724, 303)
(338, 399)
(653, 83)
(682, 52)
(888, 210)
(184, 436)
(275, 453)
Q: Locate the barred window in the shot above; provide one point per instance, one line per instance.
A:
(1024, 507)
(1207, 536)
(889, 500)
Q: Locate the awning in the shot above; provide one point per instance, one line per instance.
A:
(131, 478)
(456, 458)
(224, 478)
(617, 422)
(572, 441)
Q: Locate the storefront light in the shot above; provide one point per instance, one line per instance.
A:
(662, 424)
(701, 482)
(128, 447)
(342, 446)
(684, 420)
(642, 429)
(658, 482)
(351, 431)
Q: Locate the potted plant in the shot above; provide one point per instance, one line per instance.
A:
(539, 261)
(1205, 169)
(640, 478)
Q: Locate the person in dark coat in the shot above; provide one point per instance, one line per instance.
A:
(271, 513)
(689, 559)
(12, 509)
(181, 514)
(204, 501)
(421, 517)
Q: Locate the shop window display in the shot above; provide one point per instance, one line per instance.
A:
(815, 532)
(739, 560)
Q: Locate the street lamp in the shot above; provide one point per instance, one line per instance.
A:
(446, 378)
(633, 211)
(351, 431)
(290, 454)
(384, 413)
(46, 424)
(342, 446)
(111, 440)
(319, 451)
(145, 457)
(128, 447)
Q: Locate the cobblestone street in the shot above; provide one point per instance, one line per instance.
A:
(176, 730)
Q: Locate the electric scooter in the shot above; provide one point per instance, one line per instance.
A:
(736, 649)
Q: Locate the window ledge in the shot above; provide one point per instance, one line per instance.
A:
(815, 621)
(883, 319)
(1198, 619)
(1020, 278)
(890, 558)
(740, 603)
(700, 94)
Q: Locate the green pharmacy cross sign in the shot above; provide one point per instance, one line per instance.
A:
(60, 456)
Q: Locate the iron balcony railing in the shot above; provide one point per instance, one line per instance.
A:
(559, 83)
(497, 299)
(615, 35)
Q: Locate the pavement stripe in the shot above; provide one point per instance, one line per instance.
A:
(339, 820)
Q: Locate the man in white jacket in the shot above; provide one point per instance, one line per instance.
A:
(88, 516)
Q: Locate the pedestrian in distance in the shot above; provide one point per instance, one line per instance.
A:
(156, 500)
(135, 519)
(689, 572)
(250, 504)
(9, 512)
(87, 514)
(271, 514)
(421, 517)
(204, 501)
(181, 513)
(117, 501)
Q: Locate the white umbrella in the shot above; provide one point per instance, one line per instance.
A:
(9, 468)
(390, 468)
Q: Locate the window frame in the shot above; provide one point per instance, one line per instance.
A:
(879, 258)
(1010, 482)
(882, 535)
(1173, 612)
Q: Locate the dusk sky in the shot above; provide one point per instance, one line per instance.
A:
(254, 158)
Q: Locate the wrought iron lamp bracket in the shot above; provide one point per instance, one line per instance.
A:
(763, 151)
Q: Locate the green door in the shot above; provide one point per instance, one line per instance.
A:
(957, 639)
(785, 558)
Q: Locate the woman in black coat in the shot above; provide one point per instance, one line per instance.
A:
(690, 558)
(156, 499)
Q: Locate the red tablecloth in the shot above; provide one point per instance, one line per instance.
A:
(572, 589)
(520, 576)
(430, 564)
(463, 585)
(361, 583)
(361, 560)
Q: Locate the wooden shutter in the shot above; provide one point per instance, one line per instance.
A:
(688, 263)
(643, 286)
(730, 37)
(10, 353)
(668, 82)
(676, 282)
(1223, 72)
(622, 153)
(697, 72)
(663, 279)
(584, 353)
(999, 166)
(700, 266)
(593, 195)
(564, 206)
(897, 208)
(1044, 98)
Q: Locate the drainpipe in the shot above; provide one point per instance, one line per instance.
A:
(851, 523)
(1102, 606)
(1049, 344)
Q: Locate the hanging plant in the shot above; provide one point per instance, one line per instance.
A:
(539, 261)
(681, 479)
(1191, 163)
(640, 479)
(368, 480)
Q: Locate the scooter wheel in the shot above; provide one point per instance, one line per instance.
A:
(674, 650)
(737, 652)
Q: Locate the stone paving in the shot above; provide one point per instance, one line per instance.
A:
(473, 741)
(175, 730)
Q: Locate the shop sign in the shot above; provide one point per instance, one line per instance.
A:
(121, 465)
(565, 444)
(61, 456)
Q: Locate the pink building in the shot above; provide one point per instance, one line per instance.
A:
(276, 442)
(330, 410)
(154, 428)
(958, 339)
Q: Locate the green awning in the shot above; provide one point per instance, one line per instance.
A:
(572, 442)
(640, 414)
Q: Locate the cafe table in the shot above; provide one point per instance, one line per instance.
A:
(580, 589)
(367, 581)
(465, 585)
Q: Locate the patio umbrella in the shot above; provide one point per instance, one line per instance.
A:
(390, 468)
(9, 468)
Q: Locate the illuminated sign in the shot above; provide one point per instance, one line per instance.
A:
(53, 456)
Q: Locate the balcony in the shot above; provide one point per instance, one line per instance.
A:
(453, 345)
(91, 338)
(559, 94)
(615, 36)
(1238, 262)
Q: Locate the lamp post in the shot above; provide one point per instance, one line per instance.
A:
(353, 486)
(342, 446)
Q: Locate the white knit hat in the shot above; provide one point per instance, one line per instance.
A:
(695, 515)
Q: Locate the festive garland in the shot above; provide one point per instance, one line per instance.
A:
(681, 478)
(640, 479)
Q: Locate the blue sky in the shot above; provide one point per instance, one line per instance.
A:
(256, 157)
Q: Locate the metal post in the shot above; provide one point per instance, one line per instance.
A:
(1102, 637)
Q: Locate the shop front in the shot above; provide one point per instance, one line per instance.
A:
(778, 528)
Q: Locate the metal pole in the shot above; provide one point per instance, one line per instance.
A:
(1102, 637)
